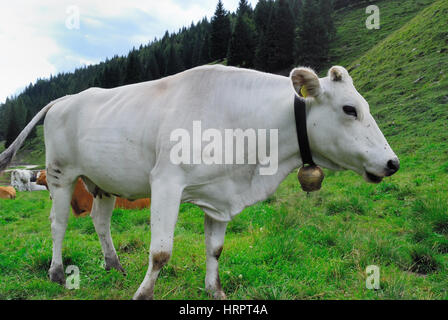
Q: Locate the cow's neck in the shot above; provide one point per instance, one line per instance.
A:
(282, 117)
(288, 146)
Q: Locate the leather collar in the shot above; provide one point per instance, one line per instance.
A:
(302, 133)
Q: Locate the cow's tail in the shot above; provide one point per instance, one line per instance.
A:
(7, 156)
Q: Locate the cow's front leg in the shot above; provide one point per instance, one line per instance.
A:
(214, 241)
(165, 201)
(102, 210)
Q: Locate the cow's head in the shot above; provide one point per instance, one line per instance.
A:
(342, 132)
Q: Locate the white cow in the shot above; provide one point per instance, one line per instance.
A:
(36, 187)
(21, 179)
(119, 141)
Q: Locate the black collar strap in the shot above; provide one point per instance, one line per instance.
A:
(302, 134)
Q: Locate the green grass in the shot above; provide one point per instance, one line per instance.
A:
(292, 246)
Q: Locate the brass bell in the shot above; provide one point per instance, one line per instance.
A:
(311, 178)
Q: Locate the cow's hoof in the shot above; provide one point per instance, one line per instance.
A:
(114, 263)
(57, 274)
(219, 295)
(142, 296)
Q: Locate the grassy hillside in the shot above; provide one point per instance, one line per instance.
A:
(405, 80)
(353, 39)
(33, 150)
(291, 246)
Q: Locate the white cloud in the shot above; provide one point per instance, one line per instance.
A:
(35, 42)
(25, 52)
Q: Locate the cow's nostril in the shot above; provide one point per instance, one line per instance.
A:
(393, 166)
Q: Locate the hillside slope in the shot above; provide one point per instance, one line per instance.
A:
(406, 82)
(353, 39)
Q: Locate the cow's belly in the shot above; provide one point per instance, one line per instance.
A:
(116, 161)
(120, 183)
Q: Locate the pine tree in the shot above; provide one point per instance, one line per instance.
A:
(173, 63)
(133, 68)
(286, 25)
(201, 47)
(153, 66)
(28, 118)
(220, 33)
(147, 75)
(262, 18)
(261, 53)
(4, 119)
(262, 15)
(296, 7)
(279, 38)
(242, 45)
(244, 8)
(326, 10)
(197, 45)
(205, 50)
(316, 30)
(13, 128)
(160, 58)
(110, 78)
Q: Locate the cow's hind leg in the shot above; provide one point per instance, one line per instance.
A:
(165, 201)
(101, 214)
(214, 241)
(60, 210)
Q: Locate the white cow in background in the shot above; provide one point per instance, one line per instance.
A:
(36, 187)
(119, 142)
(21, 180)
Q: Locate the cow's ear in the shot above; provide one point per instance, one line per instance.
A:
(338, 73)
(305, 77)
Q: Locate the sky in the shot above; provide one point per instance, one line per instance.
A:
(39, 38)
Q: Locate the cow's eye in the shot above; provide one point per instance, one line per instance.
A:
(351, 111)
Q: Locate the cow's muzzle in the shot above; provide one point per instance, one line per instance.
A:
(372, 178)
(392, 167)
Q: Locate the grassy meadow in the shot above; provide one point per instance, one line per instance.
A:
(293, 245)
